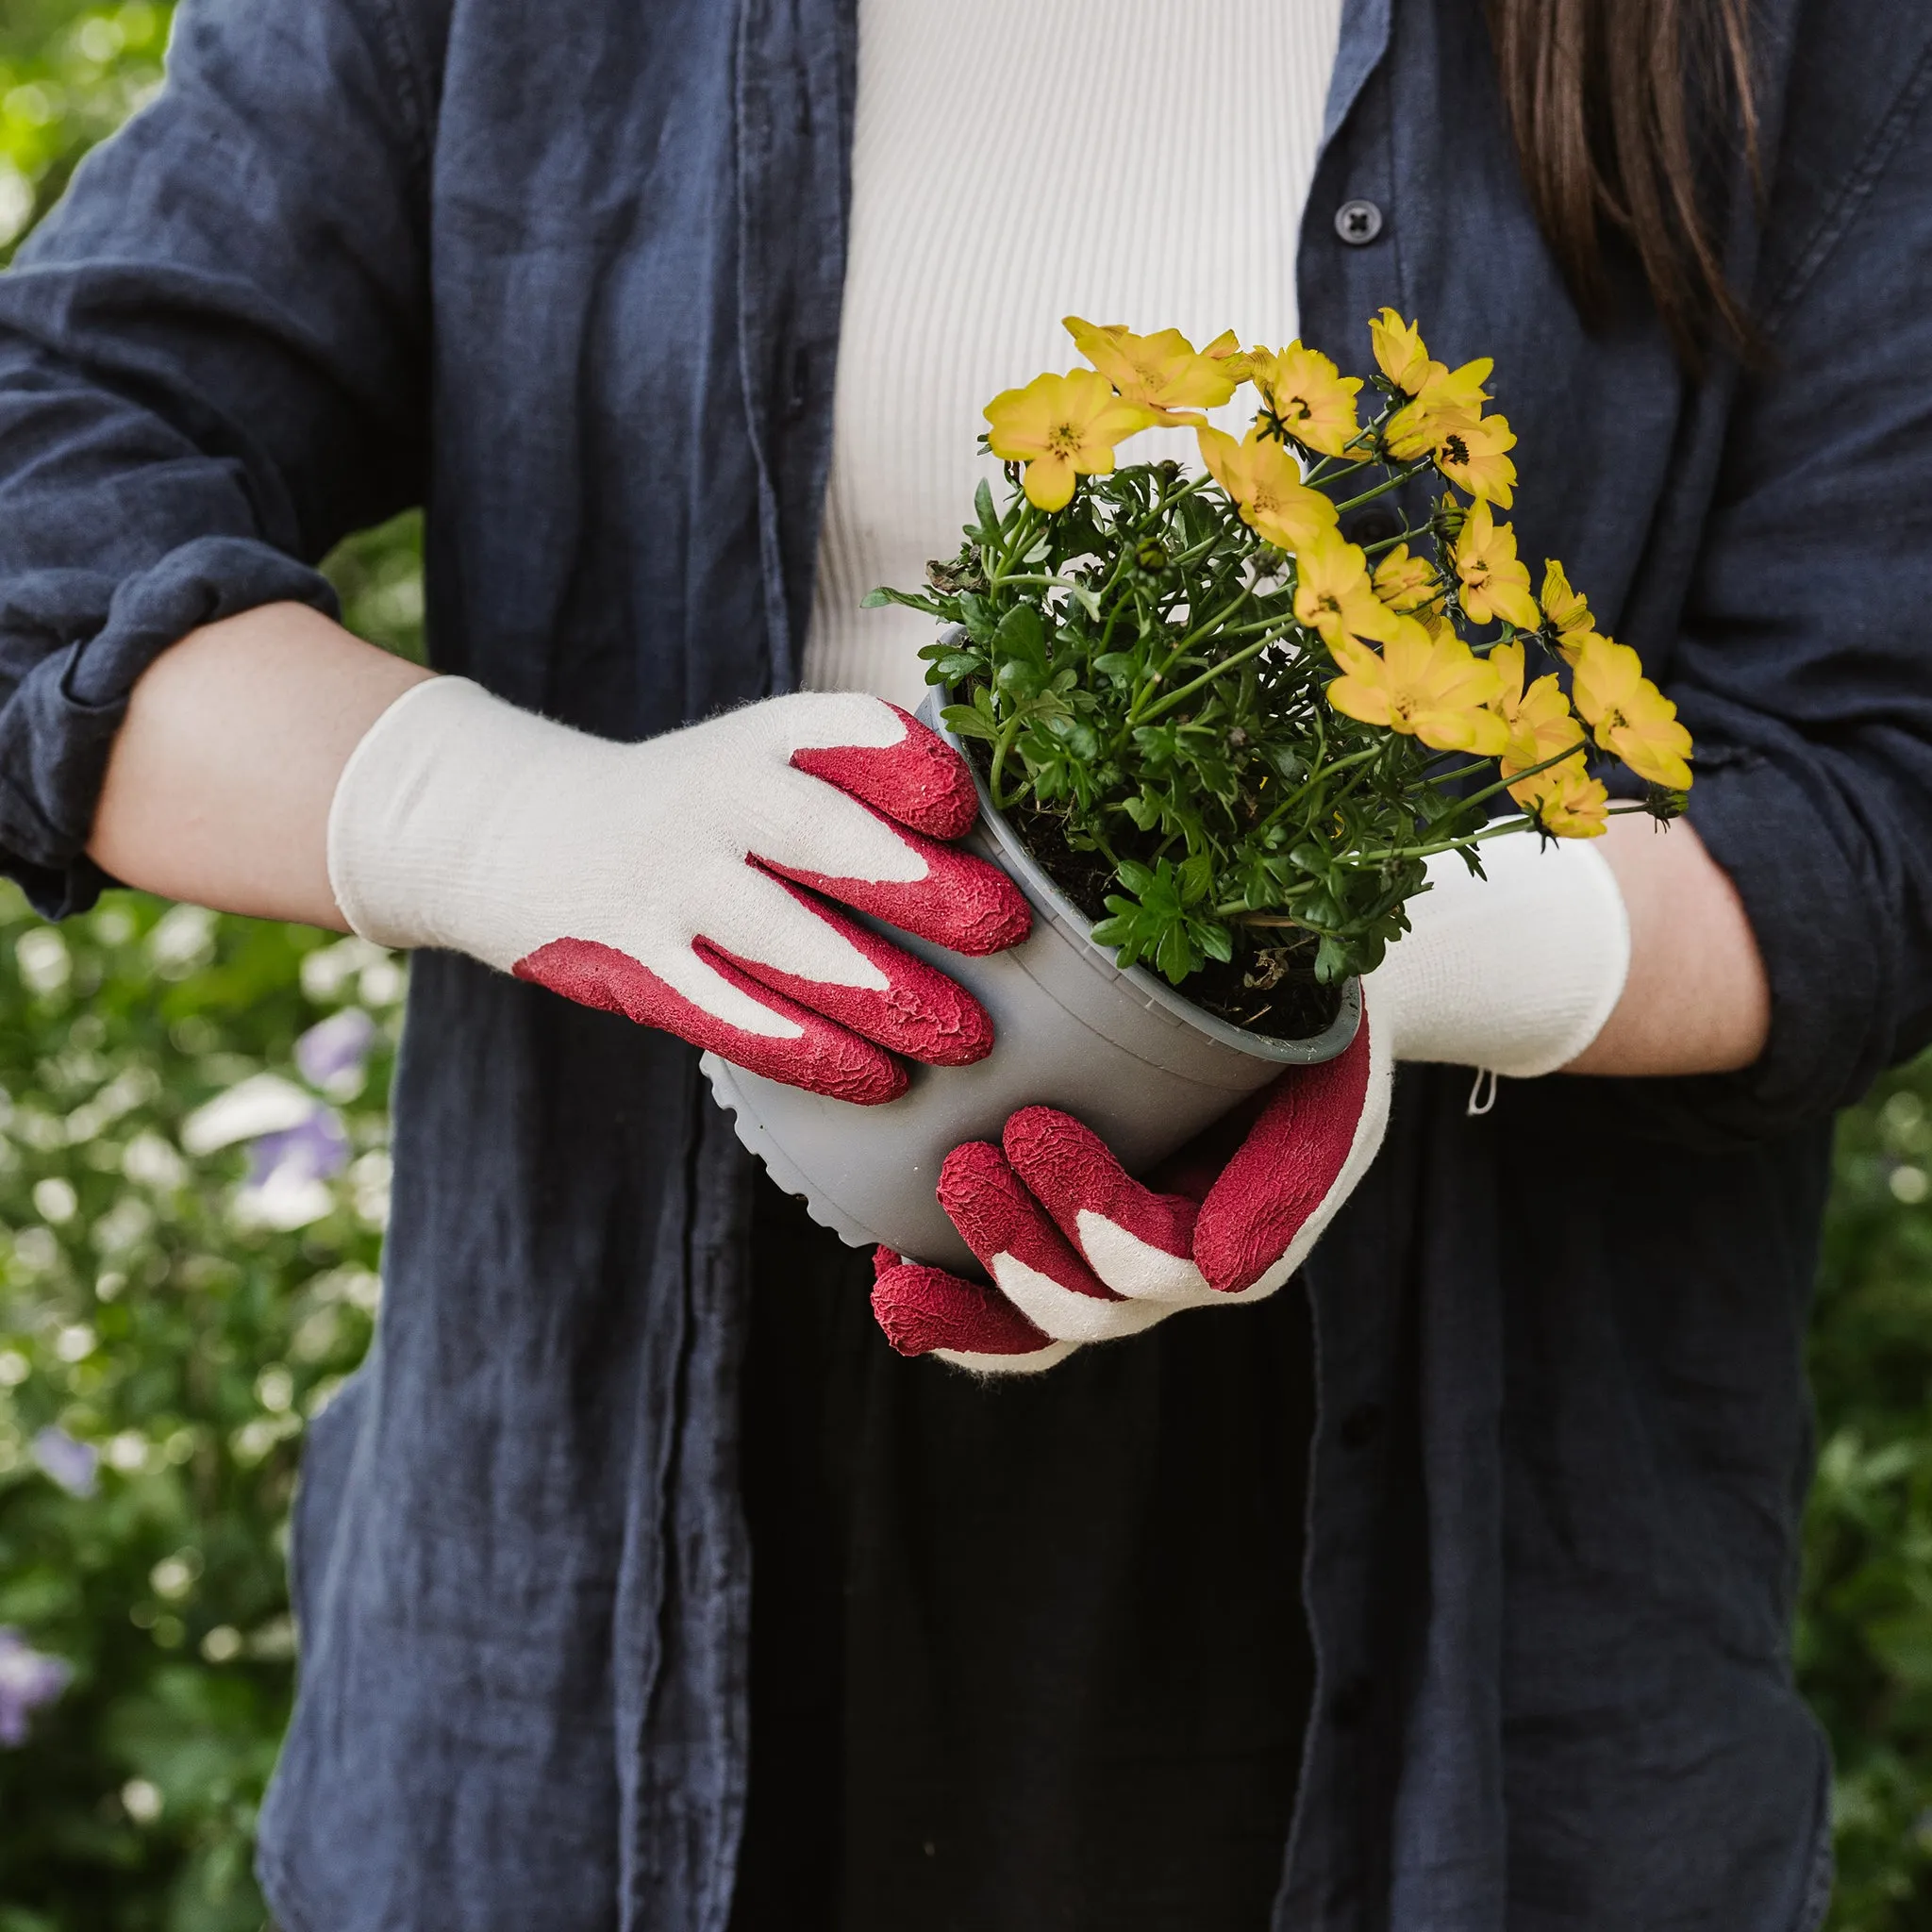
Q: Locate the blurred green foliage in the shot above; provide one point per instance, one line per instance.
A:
(1865, 1637)
(69, 75)
(183, 1325)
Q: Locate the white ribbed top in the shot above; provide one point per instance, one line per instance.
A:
(1143, 162)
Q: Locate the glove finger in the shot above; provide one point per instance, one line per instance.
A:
(1313, 1144)
(927, 1311)
(1031, 1261)
(801, 1048)
(912, 1008)
(1139, 1243)
(920, 781)
(957, 901)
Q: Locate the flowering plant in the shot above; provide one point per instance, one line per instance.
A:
(1232, 736)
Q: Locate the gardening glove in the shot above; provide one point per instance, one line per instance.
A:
(1514, 974)
(678, 881)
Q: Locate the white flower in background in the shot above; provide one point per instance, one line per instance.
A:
(16, 202)
(43, 958)
(153, 1162)
(182, 941)
(140, 1800)
(298, 1143)
(378, 976)
(263, 1104)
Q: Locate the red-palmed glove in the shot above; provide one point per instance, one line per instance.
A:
(1079, 1251)
(684, 881)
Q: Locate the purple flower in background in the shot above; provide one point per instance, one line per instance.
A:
(28, 1678)
(314, 1151)
(74, 1465)
(335, 1046)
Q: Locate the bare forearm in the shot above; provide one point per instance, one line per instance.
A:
(218, 787)
(1696, 1000)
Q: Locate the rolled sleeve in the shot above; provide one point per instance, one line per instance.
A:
(211, 363)
(1804, 669)
(58, 724)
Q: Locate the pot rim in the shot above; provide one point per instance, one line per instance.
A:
(1333, 1041)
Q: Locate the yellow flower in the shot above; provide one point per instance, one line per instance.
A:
(1061, 426)
(1435, 689)
(1542, 725)
(1565, 611)
(1400, 351)
(1495, 582)
(1226, 349)
(1629, 715)
(1409, 584)
(1470, 455)
(1566, 801)
(1262, 478)
(1160, 372)
(1404, 582)
(1308, 395)
(1448, 399)
(1333, 595)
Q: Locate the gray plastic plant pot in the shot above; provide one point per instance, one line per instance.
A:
(1120, 1050)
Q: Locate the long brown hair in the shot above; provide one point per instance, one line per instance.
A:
(1629, 116)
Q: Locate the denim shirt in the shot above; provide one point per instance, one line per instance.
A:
(571, 276)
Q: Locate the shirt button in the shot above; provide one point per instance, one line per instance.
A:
(1357, 223)
(1360, 1426)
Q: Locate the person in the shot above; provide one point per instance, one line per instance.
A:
(639, 1582)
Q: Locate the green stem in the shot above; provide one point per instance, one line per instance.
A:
(1058, 583)
(1314, 778)
(1495, 830)
(1517, 778)
(1173, 657)
(1023, 534)
(1389, 543)
(1206, 678)
(1002, 745)
(1394, 482)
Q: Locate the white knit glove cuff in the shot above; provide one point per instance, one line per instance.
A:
(435, 785)
(1515, 972)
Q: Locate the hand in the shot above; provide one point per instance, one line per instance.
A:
(1079, 1251)
(683, 881)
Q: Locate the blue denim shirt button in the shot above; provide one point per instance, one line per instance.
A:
(1357, 223)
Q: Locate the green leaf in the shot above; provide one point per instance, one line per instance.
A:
(1175, 955)
(1079, 737)
(978, 619)
(873, 600)
(1022, 636)
(963, 721)
(1020, 678)
(1332, 960)
(989, 530)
